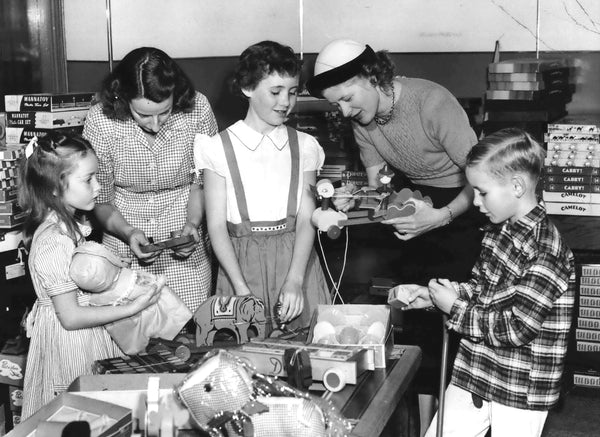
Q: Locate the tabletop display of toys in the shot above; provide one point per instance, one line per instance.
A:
(236, 390)
(233, 389)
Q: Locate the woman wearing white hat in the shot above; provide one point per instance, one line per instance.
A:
(417, 127)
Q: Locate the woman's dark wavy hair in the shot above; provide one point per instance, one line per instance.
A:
(381, 72)
(149, 73)
(43, 180)
(260, 60)
(507, 151)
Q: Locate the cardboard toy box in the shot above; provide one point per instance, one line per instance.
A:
(11, 152)
(8, 194)
(267, 356)
(130, 391)
(10, 221)
(22, 135)
(357, 315)
(10, 207)
(12, 369)
(46, 120)
(119, 418)
(48, 102)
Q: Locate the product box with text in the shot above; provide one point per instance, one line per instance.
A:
(21, 135)
(46, 102)
(46, 120)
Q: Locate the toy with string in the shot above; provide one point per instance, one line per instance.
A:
(373, 205)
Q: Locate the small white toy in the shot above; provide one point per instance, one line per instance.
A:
(399, 297)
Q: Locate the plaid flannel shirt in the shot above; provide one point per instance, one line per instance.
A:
(515, 315)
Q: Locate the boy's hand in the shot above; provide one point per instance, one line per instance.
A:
(418, 296)
(443, 294)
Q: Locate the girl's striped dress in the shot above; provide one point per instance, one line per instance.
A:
(56, 356)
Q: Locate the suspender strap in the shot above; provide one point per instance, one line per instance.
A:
(236, 178)
(295, 176)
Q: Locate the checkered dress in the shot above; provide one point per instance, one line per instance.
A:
(150, 187)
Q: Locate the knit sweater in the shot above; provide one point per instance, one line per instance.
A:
(427, 139)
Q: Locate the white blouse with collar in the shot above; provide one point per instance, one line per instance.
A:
(265, 167)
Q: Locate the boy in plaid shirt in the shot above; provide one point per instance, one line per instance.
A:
(514, 314)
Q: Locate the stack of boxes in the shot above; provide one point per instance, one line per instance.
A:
(11, 215)
(30, 115)
(587, 331)
(527, 93)
(571, 181)
(571, 186)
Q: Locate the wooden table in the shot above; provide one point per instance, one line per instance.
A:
(373, 400)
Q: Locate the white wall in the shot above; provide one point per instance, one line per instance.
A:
(207, 28)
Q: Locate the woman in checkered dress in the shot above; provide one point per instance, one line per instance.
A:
(143, 132)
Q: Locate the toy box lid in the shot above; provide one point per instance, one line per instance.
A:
(130, 391)
(119, 422)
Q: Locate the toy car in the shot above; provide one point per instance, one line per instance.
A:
(170, 243)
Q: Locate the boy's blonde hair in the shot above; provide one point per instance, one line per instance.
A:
(508, 151)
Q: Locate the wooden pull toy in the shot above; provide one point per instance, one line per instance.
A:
(374, 206)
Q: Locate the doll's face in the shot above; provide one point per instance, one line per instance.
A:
(94, 273)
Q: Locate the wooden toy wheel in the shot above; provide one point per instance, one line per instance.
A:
(334, 232)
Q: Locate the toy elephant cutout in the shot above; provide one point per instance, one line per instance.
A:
(235, 313)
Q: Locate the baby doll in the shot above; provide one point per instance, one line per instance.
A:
(95, 269)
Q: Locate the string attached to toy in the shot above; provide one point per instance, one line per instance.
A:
(335, 292)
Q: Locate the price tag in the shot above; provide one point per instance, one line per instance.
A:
(14, 271)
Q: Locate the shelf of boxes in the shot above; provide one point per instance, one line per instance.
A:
(30, 115)
(587, 324)
(527, 93)
(571, 180)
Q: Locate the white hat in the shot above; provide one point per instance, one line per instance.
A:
(337, 62)
(337, 53)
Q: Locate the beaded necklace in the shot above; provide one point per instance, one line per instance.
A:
(384, 119)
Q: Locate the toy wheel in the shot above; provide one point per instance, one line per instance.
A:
(183, 352)
(334, 380)
(334, 232)
(325, 188)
